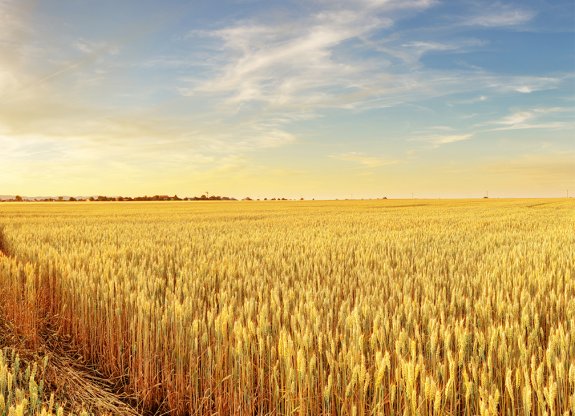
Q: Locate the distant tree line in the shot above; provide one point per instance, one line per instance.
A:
(102, 198)
(162, 198)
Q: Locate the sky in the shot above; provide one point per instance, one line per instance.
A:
(302, 98)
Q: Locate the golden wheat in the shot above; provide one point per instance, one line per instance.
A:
(375, 307)
(22, 388)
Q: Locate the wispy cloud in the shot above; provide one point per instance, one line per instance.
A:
(536, 118)
(364, 160)
(436, 140)
(516, 119)
(524, 84)
(92, 47)
(317, 61)
(412, 51)
(473, 100)
(490, 14)
(300, 63)
(501, 17)
(284, 67)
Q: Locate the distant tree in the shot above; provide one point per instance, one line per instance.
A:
(72, 199)
(18, 198)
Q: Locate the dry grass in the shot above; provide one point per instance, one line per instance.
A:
(46, 384)
(347, 308)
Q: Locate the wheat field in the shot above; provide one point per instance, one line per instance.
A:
(461, 307)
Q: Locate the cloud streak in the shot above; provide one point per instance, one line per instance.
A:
(364, 160)
(300, 63)
(501, 16)
(537, 118)
(433, 140)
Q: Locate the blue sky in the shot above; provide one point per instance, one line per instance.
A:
(324, 99)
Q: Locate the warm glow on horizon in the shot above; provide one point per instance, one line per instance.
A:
(315, 99)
